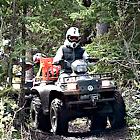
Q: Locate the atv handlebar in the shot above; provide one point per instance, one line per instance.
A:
(62, 62)
(92, 60)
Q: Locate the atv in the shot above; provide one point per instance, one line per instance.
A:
(55, 99)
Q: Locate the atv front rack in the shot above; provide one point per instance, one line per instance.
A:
(71, 79)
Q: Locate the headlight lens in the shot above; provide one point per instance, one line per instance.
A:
(107, 83)
(81, 68)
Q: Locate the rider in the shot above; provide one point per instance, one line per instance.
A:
(71, 50)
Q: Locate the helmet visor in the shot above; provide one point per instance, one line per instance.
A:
(74, 38)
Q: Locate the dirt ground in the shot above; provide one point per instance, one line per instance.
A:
(79, 130)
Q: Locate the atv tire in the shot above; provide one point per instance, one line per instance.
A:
(58, 119)
(37, 119)
(117, 118)
(98, 123)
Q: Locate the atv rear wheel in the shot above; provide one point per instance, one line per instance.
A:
(117, 118)
(58, 119)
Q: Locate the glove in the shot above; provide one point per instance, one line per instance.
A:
(58, 62)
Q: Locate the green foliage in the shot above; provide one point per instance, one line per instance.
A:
(3, 72)
(133, 112)
(7, 108)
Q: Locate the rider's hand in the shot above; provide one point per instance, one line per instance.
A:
(56, 63)
(60, 62)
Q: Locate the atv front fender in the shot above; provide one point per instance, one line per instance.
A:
(44, 93)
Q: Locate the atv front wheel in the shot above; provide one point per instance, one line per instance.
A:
(98, 122)
(58, 119)
(37, 119)
(117, 118)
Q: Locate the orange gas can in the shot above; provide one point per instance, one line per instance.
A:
(49, 71)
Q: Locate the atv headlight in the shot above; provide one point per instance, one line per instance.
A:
(107, 83)
(81, 68)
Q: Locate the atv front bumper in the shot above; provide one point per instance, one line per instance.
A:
(88, 104)
(88, 108)
(80, 105)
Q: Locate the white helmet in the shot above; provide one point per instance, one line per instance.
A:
(72, 37)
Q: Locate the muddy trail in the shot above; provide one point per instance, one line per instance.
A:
(80, 131)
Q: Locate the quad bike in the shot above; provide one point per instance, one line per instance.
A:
(56, 99)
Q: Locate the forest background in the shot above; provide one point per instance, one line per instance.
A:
(32, 26)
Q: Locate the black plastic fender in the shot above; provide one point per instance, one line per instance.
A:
(44, 93)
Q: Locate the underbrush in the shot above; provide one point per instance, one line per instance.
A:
(132, 101)
(8, 110)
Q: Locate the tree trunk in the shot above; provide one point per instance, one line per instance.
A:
(102, 28)
(22, 94)
(29, 73)
(13, 37)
